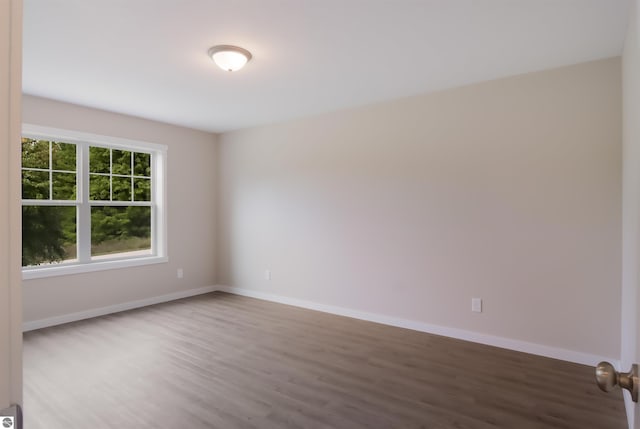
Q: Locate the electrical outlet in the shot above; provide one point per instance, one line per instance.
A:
(267, 274)
(180, 273)
(476, 305)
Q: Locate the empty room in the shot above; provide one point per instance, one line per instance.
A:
(319, 214)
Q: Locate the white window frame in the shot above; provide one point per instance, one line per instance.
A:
(85, 264)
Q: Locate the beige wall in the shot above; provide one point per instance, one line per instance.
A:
(10, 287)
(631, 205)
(191, 163)
(508, 190)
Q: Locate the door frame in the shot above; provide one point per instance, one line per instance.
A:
(10, 210)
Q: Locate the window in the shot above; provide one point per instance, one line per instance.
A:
(90, 202)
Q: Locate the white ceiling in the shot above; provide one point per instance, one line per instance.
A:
(148, 58)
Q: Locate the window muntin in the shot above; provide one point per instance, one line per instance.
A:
(115, 189)
(116, 177)
(119, 175)
(48, 170)
(49, 194)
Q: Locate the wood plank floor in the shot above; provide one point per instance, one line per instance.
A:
(224, 361)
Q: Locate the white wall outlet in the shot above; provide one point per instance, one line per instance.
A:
(267, 274)
(476, 305)
(180, 273)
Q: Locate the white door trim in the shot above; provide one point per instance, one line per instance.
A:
(10, 212)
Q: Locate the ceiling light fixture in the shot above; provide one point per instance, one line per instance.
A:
(229, 58)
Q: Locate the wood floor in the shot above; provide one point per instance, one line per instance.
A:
(224, 361)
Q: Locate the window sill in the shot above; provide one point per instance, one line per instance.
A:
(69, 269)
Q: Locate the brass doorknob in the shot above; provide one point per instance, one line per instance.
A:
(607, 378)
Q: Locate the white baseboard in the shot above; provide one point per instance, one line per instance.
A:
(95, 312)
(476, 337)
(461, 334)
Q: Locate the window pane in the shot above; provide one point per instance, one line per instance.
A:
(99, 160)
(99, 188)
(121, 162)
(64, 186)
(142, 189)
(121, 188)
(142, 164)
(35, 153)
(48, 234)
(35, 185)
(63, 156)
(120, 230)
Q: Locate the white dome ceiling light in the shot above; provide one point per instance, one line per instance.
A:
(228, 57)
